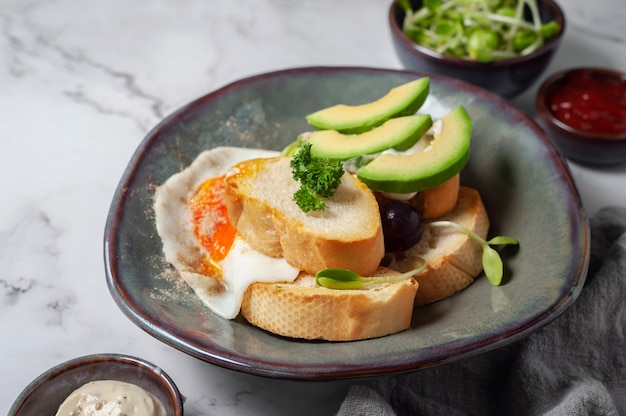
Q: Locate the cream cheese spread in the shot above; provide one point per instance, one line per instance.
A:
(111, 398)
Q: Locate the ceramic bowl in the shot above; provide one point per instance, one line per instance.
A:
(511, 158)
(507, 77)
(44, 395)
(586, 147)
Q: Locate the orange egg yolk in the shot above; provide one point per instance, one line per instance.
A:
(211, 224)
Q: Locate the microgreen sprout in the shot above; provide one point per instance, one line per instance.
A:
(492, 262)
(482, 30)
(346, 279)
(334, 278)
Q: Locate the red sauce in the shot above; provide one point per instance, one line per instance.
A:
(591, 102)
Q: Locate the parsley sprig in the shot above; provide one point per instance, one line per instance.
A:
(319, 178)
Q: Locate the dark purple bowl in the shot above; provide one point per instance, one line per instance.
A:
(44, 395)
(580, 146)
(507, 77)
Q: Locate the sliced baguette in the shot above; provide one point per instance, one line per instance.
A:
(453, 259)
(347, 234)
(303, 309)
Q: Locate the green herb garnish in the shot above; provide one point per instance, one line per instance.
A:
(333, 278)
(482, 30)
(319, 178)
(492, 262)
(346, 279)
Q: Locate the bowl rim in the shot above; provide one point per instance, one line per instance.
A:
(398, 34)
(542, 107)
(74, 363)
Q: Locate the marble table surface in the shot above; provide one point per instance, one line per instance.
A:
(83, 81)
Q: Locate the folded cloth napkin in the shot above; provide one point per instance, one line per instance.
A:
(576, 365)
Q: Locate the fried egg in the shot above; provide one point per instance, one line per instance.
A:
(198, 239)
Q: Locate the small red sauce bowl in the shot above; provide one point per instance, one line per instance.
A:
(582, 110)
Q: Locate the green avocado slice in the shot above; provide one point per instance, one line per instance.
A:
(402, 100)
(399, 133)
(447, 155)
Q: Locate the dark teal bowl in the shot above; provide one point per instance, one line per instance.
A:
(507, 77)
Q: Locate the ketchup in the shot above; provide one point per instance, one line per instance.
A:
(591, 102)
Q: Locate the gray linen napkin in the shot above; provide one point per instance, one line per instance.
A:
(574, 366)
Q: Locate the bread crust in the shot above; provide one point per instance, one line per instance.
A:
(304, 310)
(278, 228)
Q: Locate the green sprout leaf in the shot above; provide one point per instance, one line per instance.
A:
(343, 279)
(492, 265)
(524, 39)
(492, 262)
(432, 5)
(481, 44)
(550, 29)
(502, 240)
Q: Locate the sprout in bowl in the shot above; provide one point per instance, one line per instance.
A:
(510, 42)
(483, 30)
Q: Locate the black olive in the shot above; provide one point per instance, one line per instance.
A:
(402, 226)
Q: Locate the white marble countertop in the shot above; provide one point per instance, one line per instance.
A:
(82, 82)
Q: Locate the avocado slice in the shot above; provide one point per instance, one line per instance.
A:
(399, 133)
(402, 100)
(447, 155)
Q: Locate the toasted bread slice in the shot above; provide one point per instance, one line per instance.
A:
(453, 259)
(347, 234)
(303, 309)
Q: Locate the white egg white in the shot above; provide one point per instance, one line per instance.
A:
(242, 265)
